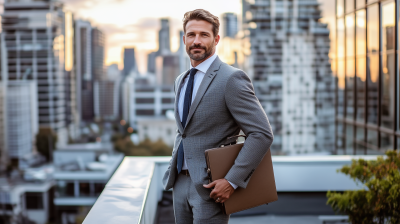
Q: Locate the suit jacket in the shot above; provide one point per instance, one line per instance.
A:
(225, 103)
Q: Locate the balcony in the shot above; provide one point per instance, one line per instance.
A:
(134, 191)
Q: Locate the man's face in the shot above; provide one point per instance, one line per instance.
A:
(199, 39)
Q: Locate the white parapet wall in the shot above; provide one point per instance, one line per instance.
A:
(132, 194)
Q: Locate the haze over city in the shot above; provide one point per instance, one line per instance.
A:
(135, 23)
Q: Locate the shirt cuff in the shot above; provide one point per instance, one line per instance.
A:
(233, 185)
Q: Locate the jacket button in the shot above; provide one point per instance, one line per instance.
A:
(184, 136)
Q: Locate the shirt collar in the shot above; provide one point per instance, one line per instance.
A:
(205, 65)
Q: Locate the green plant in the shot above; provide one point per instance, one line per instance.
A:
(123, 143)
(379, 201)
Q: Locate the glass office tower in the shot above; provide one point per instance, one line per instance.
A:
(366, 66)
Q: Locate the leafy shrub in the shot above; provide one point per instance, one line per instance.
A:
(379, 202)
(123, 143)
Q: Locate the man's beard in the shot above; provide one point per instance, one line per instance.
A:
(207, 52)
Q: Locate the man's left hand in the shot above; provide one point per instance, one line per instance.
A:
(222, 190)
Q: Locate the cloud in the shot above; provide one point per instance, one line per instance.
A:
(143, 25)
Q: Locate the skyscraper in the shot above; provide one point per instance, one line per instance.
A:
(164, 47)
(291, 73)
(129, 61)
(83, 68)
(230, 24)
(184, 60)
(34, 37)
(164, 43)
(98, 42)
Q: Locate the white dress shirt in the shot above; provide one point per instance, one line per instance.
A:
(198, 77)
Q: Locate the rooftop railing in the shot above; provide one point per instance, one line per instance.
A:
(132, 194)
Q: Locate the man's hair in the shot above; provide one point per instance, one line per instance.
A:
(201, 14)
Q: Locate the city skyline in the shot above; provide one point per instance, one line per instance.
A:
(122, 32)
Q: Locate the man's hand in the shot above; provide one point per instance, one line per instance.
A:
(222, 190)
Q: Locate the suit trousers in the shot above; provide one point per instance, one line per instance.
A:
(190, 208)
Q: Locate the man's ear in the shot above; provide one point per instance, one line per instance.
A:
(217, 40)
(184, 41)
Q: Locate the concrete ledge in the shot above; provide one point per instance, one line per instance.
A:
(133, 191)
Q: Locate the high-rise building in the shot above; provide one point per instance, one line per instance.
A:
(167, 69)
(21, 112)
(292, 73)
(113, 72)
(164, 43)
(129, 61)
(83, 69)
(164, 46)
(184, 60)
(367, 74)
(98, 43)
(230, 24)
(151, 62)
(71, 100)
(34, 37)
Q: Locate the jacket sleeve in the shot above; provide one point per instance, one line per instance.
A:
(251, 118)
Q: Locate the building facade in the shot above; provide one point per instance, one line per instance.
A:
(145, 99)
(21, 117)
(34, 38)
(292, 73)
(164, 46)
(106, 99)
(81, 172)
(83, 69)
(367, 73)
(98, 50)
(129, 61)
(164, 42)
(167, 69)
(230, 24)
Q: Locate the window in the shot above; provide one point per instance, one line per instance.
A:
(145, 112)
(34, 200)
(360, 3)
(349, 6)
(360, 64)
(340, 7)
(84, 189)
(388, 64)
(341, 67)
(144, 100)
(372, 63)
(349, 138)
(167, 100)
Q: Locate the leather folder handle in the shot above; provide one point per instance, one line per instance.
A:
(237, 136)
(233, 142)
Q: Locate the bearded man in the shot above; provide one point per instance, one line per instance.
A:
(213, 101)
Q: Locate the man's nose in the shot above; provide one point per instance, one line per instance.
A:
(197, 39)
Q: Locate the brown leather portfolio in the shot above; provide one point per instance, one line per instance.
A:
(261, 188)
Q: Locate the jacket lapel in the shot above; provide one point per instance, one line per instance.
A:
(208, 77)
(177, 93)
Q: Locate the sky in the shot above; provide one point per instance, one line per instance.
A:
(135, 23)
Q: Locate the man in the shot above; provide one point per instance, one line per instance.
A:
(213, 101)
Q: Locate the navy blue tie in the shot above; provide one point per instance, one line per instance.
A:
(186, 107)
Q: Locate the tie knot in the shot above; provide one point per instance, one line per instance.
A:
(193, 71)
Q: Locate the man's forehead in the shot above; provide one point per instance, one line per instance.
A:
(199, 26)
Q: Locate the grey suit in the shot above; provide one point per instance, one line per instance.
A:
(225, 103)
